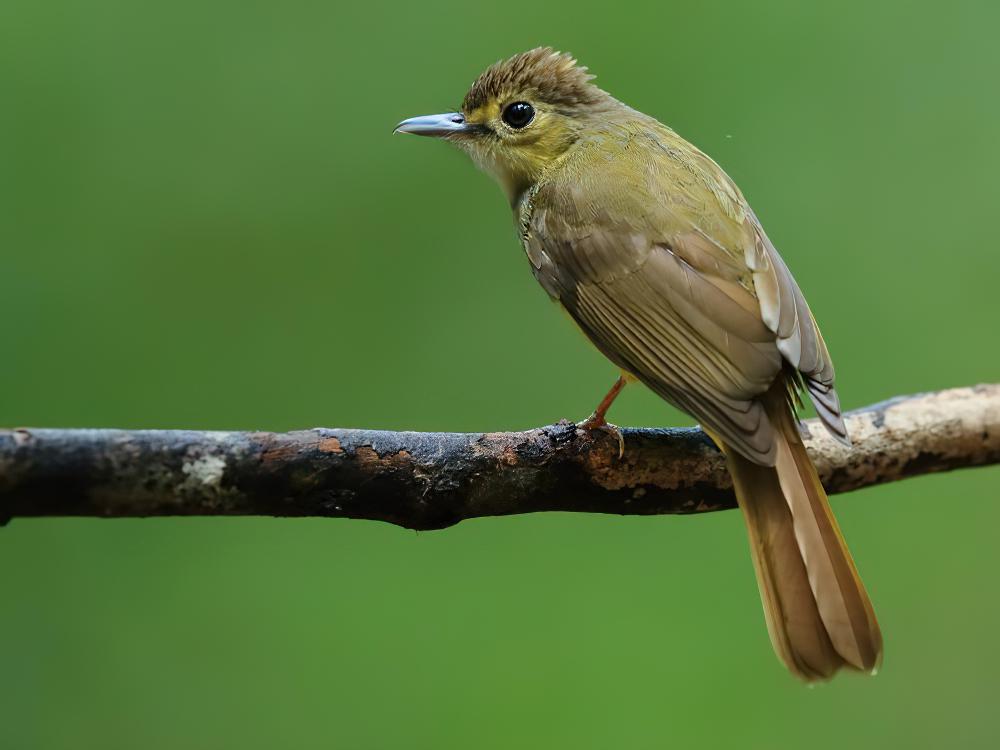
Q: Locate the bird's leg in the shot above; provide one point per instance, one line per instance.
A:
(597, 421)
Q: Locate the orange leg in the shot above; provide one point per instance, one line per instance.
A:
(597, 421)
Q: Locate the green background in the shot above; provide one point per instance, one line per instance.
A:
(205, 223)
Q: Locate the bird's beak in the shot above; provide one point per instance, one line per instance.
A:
(438, 126)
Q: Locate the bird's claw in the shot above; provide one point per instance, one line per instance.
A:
(596, 422)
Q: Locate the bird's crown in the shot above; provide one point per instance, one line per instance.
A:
(551, 76)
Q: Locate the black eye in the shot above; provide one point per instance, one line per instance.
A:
(518, 114)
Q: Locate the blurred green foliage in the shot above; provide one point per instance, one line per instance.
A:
(205, 223)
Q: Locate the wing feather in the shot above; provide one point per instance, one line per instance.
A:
(784, 310)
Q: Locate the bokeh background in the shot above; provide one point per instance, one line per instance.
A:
(205, 223)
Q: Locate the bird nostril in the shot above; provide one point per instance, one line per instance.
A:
(458, 119)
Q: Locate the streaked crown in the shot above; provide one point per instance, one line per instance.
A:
(551, 76)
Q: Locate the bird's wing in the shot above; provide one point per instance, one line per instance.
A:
(670, 276)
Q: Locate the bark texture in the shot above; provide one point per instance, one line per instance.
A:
(433, 480)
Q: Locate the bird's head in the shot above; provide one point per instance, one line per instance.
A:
(520, 116)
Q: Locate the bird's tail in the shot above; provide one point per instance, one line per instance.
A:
(818, 614)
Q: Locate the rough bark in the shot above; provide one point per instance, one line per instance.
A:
(433, 480)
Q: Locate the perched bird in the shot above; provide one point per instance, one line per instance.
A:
(654, 252)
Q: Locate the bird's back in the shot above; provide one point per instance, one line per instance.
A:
(655, 253)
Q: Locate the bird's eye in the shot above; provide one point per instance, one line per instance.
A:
(518, 114)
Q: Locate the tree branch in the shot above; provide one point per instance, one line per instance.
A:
(433, 480)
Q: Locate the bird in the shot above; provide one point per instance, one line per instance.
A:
(657, 256)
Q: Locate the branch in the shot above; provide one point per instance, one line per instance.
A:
(433, 480)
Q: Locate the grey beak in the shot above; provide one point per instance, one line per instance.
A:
(438, 126)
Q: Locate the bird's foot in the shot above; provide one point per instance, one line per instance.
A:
(597, 422)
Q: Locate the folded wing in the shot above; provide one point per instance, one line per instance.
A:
(707, 316)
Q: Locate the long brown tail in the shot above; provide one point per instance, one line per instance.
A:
(818, 613)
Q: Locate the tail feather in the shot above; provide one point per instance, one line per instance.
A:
(818, 614)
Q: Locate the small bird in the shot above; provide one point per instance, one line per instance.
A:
(657, 256)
